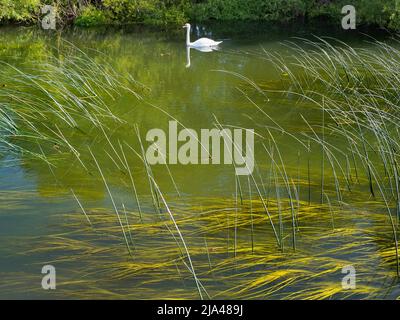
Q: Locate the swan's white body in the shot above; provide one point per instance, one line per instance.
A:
(200, 43)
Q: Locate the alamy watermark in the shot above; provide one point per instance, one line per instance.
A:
(349, 280)
(49, 278)
(349, 20)
(49, 20)
(204, 148)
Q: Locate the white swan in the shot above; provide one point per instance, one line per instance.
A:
(201, 43)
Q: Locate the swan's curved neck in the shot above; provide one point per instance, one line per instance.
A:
(188, 36)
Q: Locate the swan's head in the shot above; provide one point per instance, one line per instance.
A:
(187, 25)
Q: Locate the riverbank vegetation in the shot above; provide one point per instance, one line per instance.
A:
(383, 13)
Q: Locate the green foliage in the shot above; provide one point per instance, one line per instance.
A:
(18, 10)
(91, 16)
(375, 12)
(379, 12)
(383, 13)
(368, 12)
(158, 12)
(272, 10)
(394, 19)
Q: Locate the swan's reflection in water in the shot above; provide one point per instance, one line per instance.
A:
(202, 49)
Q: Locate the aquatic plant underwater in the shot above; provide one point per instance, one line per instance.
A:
(287, 230)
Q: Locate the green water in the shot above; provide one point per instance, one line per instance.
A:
(37, 203)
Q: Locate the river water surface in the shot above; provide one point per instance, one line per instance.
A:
(99, 219)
